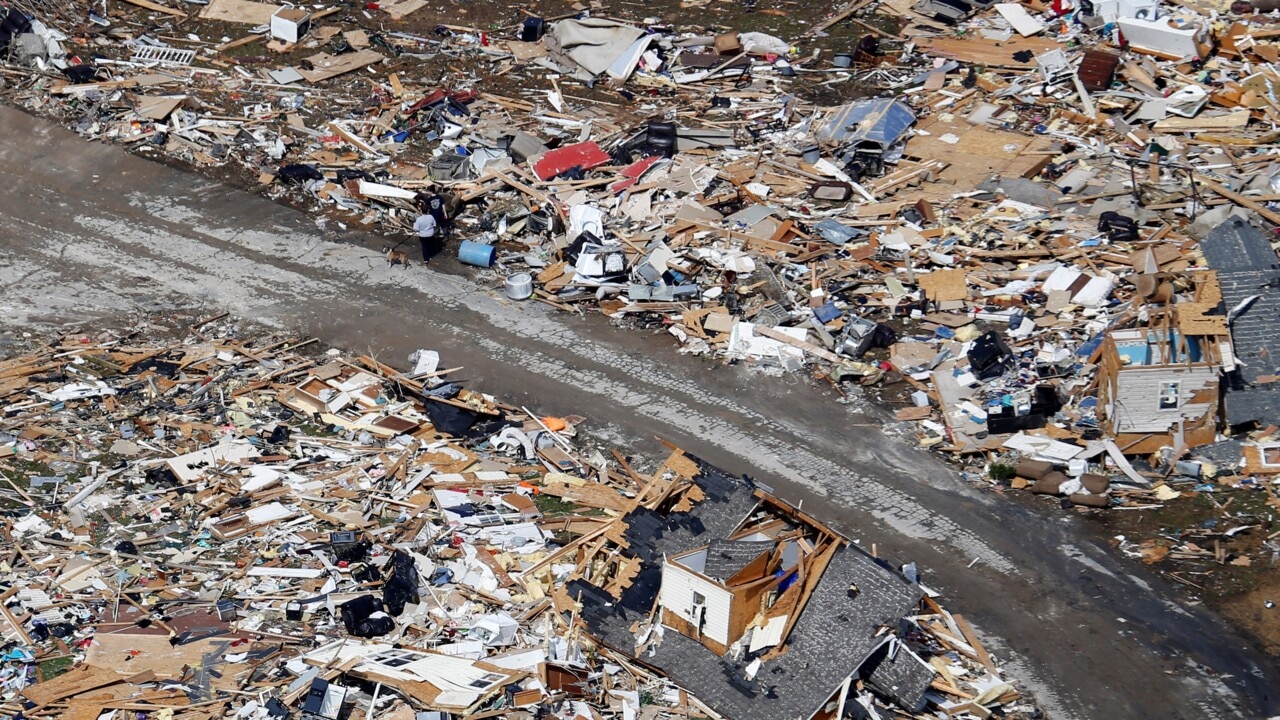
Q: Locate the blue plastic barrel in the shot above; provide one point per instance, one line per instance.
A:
(474, 253)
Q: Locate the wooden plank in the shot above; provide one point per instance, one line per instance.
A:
(1239, 199)
(1228, 121)
(157, 7)
(534, 194)
(837, 18)
(353, 139)
(806, 346)
(237, 43)
(72, 682)
(972, 638)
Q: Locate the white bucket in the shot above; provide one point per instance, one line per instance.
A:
(519, 286)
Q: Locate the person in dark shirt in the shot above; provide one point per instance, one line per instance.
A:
(435, 204)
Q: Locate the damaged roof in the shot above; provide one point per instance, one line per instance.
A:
(833, 637)
(1249, 274)
(726, 557)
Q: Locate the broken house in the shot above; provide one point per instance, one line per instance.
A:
(454, 684)
(1158, 385)
(759, 610)
(1249, 274)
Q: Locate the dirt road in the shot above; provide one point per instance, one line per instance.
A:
(88, 232)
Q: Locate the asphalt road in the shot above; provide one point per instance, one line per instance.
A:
(88, 232)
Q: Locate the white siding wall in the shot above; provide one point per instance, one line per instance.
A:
(1137, 397)
(676, 595)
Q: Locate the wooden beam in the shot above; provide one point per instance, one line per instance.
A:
(972, 638)
(157, 7)
(1239, 199)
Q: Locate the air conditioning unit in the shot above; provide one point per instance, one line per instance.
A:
(290, 24)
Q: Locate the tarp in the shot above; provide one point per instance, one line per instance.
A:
(592, 44)
(870, 124)
(584, 155)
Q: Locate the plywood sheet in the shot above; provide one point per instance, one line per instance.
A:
(154, 653)
(239, 11)
(944, 285)
(399, 8)
(982, 51)
(327, 66)
(975, 152)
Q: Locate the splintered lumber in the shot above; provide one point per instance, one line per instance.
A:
(1239, 199)
(157, 7)
(806, 346)
(972, 638)
(73, 682)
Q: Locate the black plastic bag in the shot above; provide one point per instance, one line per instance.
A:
(298, 174)
(352, 552)
(357, 610)
(81, 74)
(401, 587)
(279, 435)
(376, 626)
(449, 419)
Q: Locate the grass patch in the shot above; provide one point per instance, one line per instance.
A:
(1002, 472)
(552, 505)
(53, 667)
(314, 430)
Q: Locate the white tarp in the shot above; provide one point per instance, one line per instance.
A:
(77, 391)
(191, 467)
(1018, 18)
(1042, 448)
(591, 43)
(745, 343)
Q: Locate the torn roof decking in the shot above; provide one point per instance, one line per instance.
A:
(900, 674)
(832, 639)
(651, 536)
(726, 557)
(1247, 268)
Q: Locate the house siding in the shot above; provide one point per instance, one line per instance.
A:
(1135, 401)
(676, 596)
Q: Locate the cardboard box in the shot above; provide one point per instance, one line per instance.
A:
(728, 44)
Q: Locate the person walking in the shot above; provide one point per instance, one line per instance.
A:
(428, 231)
(435, 204)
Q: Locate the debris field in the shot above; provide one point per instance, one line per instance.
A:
(228, 526)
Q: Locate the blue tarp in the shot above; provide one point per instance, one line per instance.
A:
(872, 125)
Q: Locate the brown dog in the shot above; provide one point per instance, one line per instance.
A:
(397, 256)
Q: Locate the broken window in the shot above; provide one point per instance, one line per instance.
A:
(1169, 395)
(486, 681)
(396, 658)
(487, 518)
(1270, 455)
